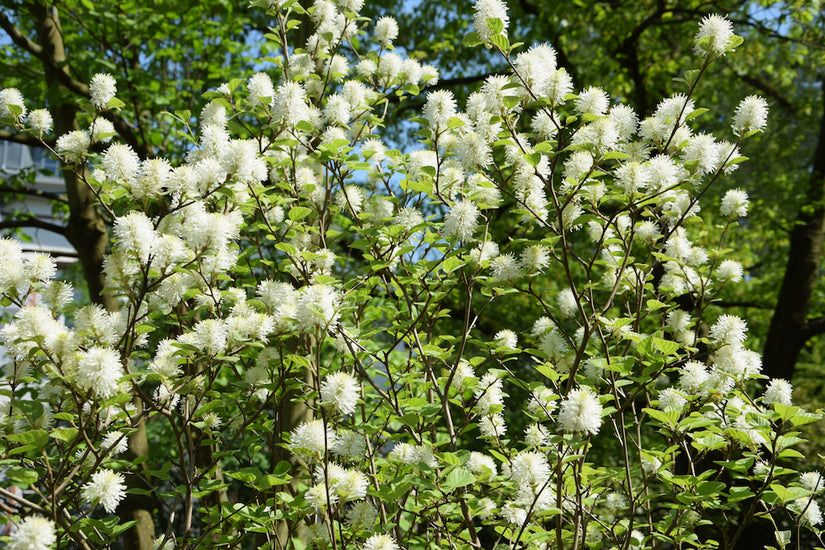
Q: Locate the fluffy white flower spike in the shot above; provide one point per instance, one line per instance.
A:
(102, 90)
(33, 533)
(341, 391)
(485, 10)
(106, 488)
(11, 97)
(581, 412)
(715, 36)
(751, 114)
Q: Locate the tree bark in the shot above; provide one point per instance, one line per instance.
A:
(87, 232)
(790, 327)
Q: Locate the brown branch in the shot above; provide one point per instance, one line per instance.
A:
(33, 222)
(19, 38)
(34, 192)
(814, 327)
(738, 303)
(25, 139)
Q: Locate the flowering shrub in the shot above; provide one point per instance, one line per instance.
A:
(301, 322)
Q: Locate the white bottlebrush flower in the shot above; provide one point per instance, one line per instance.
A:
(514, 514)
(386, 30)
(362, 515)
(261, 90)
(728, 330)
(536, 435)
(312, 437)
(530, 468)
(106, 488)
(505, 268)
(74, 146)
(558, 86)
(33, 533)
(581, 411)
(507, 339)
(115, 443)
(429, 75)
(152, 178)
(39, 267)
(337, 110)
(350, 198)
(102, 89)
(535, 258)
(567, 302)
(135, 235)
(11, 97)
(493, 426)
(671, 399)
(542, 402)
(778, 391)
(409, 217)
(593, 101)
(320, 497)
(482, 465)
(101, 130)
(461, 221)
(210, 336)
(488, 393)
(714, 37)
(41, 121)
(341, 391)
(812, 481)
(366, 68)
(704, 151)
(349, 445)
(99, 369)
(809, 510)
(317, 308)
(440, 107)
(751, 114)
(290, 104)
(380, 542)
(735, 202)
(352, 485)
(535, 66)
(489, 9)
(730, 271)
(121, 164)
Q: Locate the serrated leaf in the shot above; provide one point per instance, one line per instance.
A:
(460, 477)
(501, 42)
(495, 25)
(297, 213)
(35, 438)
(471, 40)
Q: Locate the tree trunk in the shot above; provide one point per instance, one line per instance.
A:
(87, 232)
(790, 328)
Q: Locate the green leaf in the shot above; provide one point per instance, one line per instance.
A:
(22, 477)
(501, 41)
(471, 40)
(533, 159)
(460, 477)
(667, 347)
(64, 434)
(35, 438)
(297, 213)
(495, 25)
